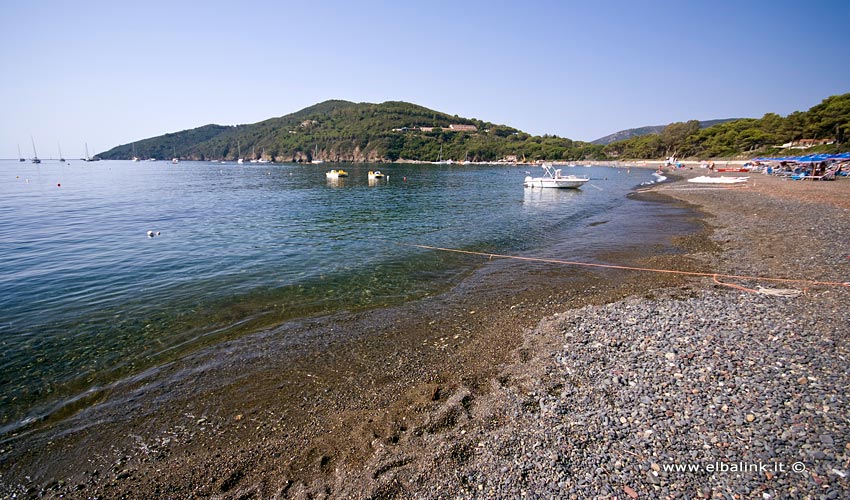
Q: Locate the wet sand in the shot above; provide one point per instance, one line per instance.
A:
(355, 405)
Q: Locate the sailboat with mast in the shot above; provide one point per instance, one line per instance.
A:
(61, 158)
(440, 160)
(20, 156)
(89, 158)
(263, 157)
(316, 160)
(34, 152)
(135, 158)
(239, 153)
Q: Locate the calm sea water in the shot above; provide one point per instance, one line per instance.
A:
(87, 298)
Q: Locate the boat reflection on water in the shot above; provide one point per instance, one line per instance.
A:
(336, 182)
(544, 197)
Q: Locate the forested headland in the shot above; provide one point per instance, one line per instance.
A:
(396, 131)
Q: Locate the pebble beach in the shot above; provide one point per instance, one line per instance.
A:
(694, 391)
(633, 385)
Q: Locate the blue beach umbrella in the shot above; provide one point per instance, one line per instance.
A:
(817, 158)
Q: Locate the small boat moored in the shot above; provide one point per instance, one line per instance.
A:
(554, 179)
(34, 152)
(315, 160)
(336, 174)
(376, 174)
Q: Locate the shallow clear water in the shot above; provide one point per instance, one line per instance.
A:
(86, 297)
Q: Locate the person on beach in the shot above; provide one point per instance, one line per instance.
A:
(711, 166)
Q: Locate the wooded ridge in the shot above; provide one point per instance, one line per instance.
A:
(392, 131)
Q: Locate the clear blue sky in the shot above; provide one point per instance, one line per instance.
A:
(109, 73)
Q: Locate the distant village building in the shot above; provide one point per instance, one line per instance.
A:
(510, 158)
(427, 129)
(807, 143)
(308, 123)
(463, 128)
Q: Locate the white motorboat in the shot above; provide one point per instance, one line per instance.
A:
(336, 174)
(553, 178)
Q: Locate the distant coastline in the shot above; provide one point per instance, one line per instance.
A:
(342, 131)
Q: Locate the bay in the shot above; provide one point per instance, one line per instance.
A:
(88, 298)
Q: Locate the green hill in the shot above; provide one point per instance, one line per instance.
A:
(622, 135)
(347, 131)
(828, 122)
(392, 131)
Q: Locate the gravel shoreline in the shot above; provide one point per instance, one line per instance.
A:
(747, 390)
(632, 376)
(642, 387)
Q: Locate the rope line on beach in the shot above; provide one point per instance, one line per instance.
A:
(715, 276)
(776, 292)
(732, 285)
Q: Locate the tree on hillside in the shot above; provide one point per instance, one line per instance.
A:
(674, 135)
(830, 118)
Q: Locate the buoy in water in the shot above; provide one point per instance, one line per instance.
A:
(151, 234)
